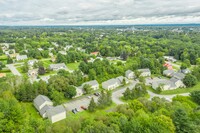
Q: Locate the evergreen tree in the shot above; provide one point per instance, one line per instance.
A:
(92, 106)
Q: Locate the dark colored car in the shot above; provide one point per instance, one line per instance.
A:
(84, 108)
(96, 94)
(74, 111)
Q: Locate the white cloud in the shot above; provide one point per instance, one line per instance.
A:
(98, 11)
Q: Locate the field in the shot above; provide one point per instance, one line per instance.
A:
(30, 110)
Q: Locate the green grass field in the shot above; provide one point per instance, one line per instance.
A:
(30, 110)
(46, 63)
(73, 66)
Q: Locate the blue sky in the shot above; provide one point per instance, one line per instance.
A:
(69, 12)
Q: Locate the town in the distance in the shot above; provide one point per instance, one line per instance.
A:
(58, 78)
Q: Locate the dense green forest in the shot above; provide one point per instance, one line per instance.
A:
(141, 47)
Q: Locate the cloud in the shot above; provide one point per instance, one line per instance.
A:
(18, 12)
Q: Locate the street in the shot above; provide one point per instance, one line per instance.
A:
(13, 69)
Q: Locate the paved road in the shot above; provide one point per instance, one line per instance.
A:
(84, 101)
(13, 70)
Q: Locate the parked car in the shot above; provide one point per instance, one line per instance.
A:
(74, 111)
(89, 97)
(96, 94)
(84, 108)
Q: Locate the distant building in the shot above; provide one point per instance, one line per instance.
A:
(129, 74)
(33, 73)
(168, 72)
(170, 58)
(42, 104)
(94, 53)
(185, 71)
(79, 91)
(63, 52)
(94, 84)
(56, 114)
(178, 75)
(32, 62)
(110, 84)
(40, 49)
(59, 66)
(145, 72)
(21, 57)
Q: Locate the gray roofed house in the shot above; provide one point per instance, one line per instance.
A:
(79, 91)
(40, 101)
(177, 82)
(164, 84)
(179, 75)
(44, 110)
(56, 113)
(94, 84)
(110, 84)
(21, 57)
(185, 71)
(145, 72)
(31, 62)
(121, 78)
(58, 66)
(129, 74)
(168, 72)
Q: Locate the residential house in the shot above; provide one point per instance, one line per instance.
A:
(68, 47)
(145, 72)
(79, 91)
(121, 80)
(170, 58)
(168, 72)
(40, 49)
(59, 66)
(110, 84)
(32, 62)
(13, 55)
(185, 71)
(177, 82)
(94, 53)
(62, 52)
(178, 75)
(94, 84)
(33, 73)
(21, 57)
(56, 114)
(42, 104)
(164, 84)
(129, 74)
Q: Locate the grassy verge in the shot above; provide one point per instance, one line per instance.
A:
(73, 66)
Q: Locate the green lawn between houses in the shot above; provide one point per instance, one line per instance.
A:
(73, 66)
(178, 91)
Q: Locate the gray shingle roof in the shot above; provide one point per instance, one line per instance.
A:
(128, 72)
(144, 70)
(44, 109)
(92, 83)
(110, 82)
(55, 110)
(40, 99)
(59, 65)
(168, 72)
(179, 75)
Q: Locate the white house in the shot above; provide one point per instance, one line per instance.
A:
(121, 79)
(63, 52)
(56, 67)
(42, 103)
(145, 72)
(21, 57)
(129, 74)
(32, 62)
(79, 91)
(168, 72)
(94, 84)
(110, 84)
(56, 114)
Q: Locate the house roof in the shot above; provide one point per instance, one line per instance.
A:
(21, 57)
(55, 110)
(110, 82)
(45, 108)
(92, 83)
(58, 65)
(144, 70)
(2, 75)
(179, 75)
(121, 78)
(40, 99)
(166, 72)
(128, 72)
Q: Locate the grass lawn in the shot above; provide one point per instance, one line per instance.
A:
(3, 57)
(178, 91)
(73, 66)
(30, 110)
(46, 63)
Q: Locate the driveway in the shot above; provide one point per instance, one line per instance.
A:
(13, 70)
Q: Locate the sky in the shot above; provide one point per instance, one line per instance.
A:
(95, 12)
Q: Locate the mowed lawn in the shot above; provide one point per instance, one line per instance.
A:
(183, 90)
(73, 66)
(30, 110)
